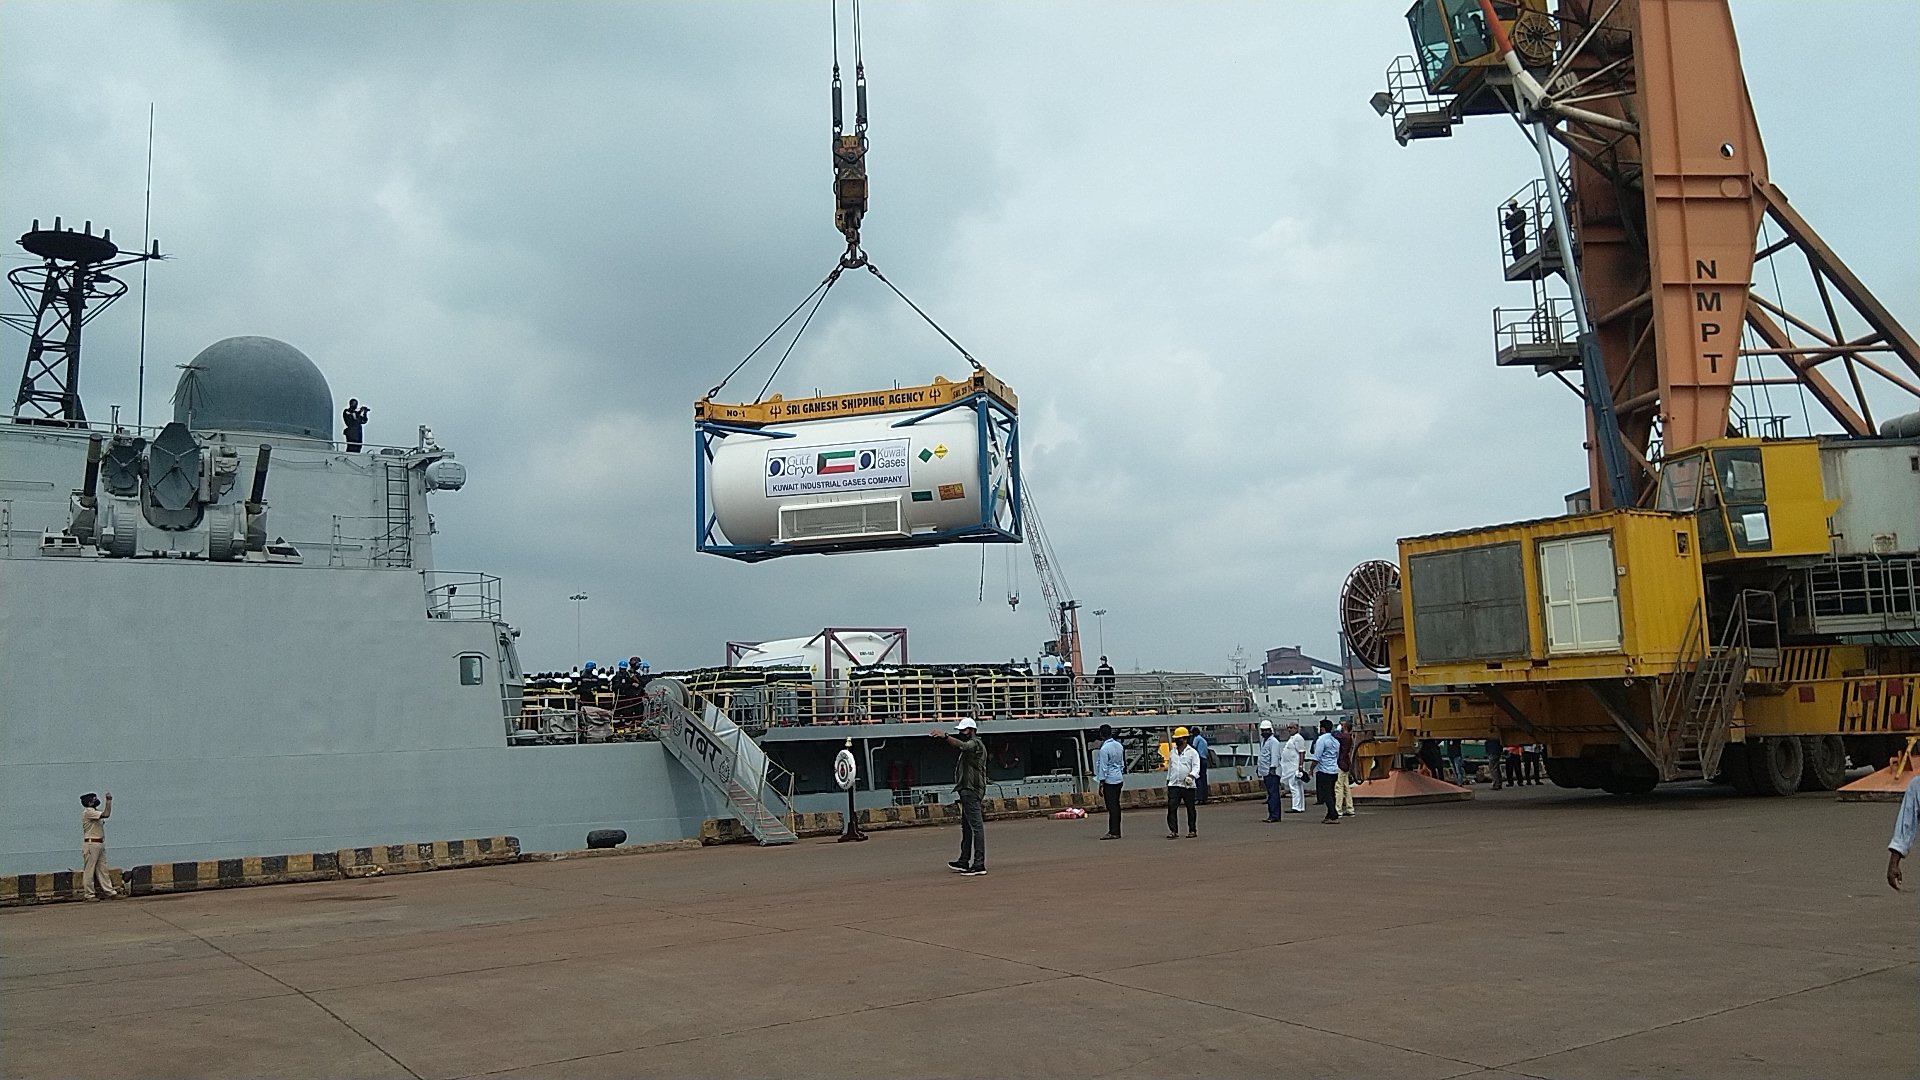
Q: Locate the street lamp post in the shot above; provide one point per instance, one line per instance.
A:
(578, 599)
(1100, 626)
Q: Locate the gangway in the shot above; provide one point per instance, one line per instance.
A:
(715, 749)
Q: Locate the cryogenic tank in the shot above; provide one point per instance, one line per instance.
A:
(903, 476)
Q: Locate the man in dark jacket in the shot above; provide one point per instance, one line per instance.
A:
(970, 782)
(353, 424)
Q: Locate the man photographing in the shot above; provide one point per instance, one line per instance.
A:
(970, 782)
(93, 845)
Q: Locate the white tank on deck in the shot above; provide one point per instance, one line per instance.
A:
(859, 478)
(852, 648)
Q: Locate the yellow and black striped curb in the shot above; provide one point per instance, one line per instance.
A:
(229, 873)
(427, 855)
(20, 889)
(173, 877)
(832, 823)
(600, 853)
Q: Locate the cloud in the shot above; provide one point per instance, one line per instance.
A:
(1248, 331)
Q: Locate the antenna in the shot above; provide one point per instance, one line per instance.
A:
(146, 240)
(71, 285)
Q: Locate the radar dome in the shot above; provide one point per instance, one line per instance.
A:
(255, 384)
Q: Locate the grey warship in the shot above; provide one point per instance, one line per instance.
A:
(238, 626)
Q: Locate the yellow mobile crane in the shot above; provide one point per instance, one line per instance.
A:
(1723, 601)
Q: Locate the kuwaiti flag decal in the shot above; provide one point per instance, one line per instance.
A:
(836, 461)
(818, 470)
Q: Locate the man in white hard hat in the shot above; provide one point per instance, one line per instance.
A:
(1269, 768)
(970, 783)
(1183, 772)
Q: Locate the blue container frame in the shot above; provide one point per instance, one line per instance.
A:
(991, 416)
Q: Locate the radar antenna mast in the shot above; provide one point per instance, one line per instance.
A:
(72, 283)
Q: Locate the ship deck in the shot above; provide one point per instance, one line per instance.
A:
(1534, 932)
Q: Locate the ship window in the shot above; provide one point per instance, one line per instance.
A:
(470, 670)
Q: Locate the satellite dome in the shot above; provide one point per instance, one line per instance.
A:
(254, 384)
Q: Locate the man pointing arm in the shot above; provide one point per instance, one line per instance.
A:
(1904, 827)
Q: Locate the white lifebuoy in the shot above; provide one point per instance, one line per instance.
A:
(844, 769)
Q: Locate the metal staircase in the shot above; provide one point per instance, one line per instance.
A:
(716, 750)
(1698, 703)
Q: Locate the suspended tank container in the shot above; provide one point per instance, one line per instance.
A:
(906, 467)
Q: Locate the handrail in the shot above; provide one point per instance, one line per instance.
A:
(913, 697)
(552, 713)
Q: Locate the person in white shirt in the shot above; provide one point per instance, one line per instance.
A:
(1269, 768)
(1904, 826)
(1183, 772)
(93, 846)
(1292, 754)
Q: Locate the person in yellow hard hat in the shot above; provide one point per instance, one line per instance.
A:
(1183, 772)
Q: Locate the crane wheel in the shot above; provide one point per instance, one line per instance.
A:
(1622, 782)
(1826, 762)
(1573, 772)
(1775, 765)
(1736, 769)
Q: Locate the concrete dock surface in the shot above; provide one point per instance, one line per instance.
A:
(1530, 932)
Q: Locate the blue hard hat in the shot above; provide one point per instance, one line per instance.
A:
(588, 666)
(623, 665)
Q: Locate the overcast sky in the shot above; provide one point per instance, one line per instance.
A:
(1249, 332)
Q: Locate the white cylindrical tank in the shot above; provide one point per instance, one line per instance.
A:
(856, 647)
(858, 478)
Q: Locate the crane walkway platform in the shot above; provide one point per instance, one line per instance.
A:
(1530, 932)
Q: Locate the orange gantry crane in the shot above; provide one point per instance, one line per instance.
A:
(1724, 600)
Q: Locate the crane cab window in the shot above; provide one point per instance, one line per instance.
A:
(1742, 481)
(1450, 34)
(1680, 484)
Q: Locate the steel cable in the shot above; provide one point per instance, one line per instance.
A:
(825, 284)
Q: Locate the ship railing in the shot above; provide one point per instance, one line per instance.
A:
(361, 541)
(110, 427)
(918, 698)
(459, 594)
(555, 715)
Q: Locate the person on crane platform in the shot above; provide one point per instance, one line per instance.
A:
(1515, 221)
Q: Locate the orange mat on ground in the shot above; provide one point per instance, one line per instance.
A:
(1405, 787)
(1888, 784)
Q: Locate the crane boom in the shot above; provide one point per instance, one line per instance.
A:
(1063, 611)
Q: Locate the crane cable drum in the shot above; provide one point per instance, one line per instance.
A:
(914, 466)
